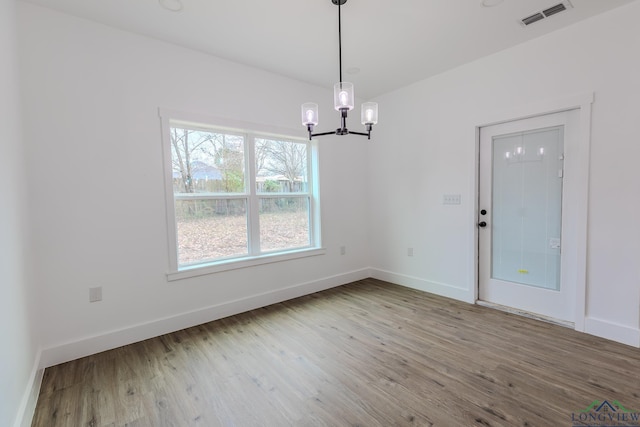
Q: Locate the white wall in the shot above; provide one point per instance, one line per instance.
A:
(427, 148)
(91, 96)
(18, 352)
(96, 216)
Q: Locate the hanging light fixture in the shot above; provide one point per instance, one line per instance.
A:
(343, 100)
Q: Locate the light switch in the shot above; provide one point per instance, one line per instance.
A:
(451, 199)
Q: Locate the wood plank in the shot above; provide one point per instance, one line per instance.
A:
(365, 354)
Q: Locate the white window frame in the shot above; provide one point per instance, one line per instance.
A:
(250, 131)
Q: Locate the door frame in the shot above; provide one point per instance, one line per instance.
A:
(579, 191)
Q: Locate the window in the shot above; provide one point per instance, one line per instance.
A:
(236, 197)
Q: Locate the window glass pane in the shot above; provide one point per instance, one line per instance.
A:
(206, 161)
(210, 229)
(284, 223)
(281, 166)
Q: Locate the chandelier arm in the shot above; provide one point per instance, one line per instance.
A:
(335, 132)
(311, 135)
(368, 135)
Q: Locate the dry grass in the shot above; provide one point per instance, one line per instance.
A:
(222, 236)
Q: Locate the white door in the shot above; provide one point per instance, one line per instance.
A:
(520, 215)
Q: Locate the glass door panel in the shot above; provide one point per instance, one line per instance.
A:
(527, 207)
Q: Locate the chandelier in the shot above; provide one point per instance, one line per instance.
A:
(343, 100)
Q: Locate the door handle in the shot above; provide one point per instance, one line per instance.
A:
(482, 224)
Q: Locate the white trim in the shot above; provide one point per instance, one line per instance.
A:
(30, 395)
(583, 103)
(523, 313)
(170, 212)
(612, 331)
(442, 289)
(236, 263)
(489, 118)
(581, 224)
(112, 339)
(229, 124)
(474, 262)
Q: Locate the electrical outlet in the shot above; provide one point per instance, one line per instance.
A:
(410, 252)
(343, 250)
(95, 294)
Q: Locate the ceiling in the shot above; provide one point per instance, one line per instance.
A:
(385, 44)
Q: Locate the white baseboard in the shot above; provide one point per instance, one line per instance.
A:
(441, 289)
(30, 396)
(95, 344)
(612, 331)
(601, 328)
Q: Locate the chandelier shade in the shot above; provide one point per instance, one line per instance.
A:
(309, 114)
(369, 114)
(343, 96)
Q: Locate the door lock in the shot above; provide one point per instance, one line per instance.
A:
(482, 224)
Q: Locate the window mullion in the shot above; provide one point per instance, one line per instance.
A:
(314, 192)
(253, 202)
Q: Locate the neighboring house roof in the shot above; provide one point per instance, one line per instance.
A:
(201, 170)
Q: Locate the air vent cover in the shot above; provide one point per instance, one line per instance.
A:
(533, 18)
(538, 16)
(554, 9)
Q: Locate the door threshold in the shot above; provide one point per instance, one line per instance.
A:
(527, 314)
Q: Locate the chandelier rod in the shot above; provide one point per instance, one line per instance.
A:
(340, 41)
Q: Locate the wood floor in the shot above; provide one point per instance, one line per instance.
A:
(364, 354)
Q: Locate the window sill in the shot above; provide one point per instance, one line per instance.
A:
(226, 265)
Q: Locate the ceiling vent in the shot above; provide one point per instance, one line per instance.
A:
(533, 18)
(539, 16)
